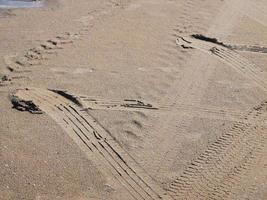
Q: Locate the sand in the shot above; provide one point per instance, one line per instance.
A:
(144, 99)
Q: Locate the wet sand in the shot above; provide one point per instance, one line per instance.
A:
(11, 4)
(135, 99)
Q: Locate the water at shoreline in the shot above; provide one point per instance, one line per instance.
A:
(8, 4)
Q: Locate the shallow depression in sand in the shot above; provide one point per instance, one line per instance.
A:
(7, 4)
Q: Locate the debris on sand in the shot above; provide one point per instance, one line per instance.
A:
(23, 105)
(92, 103)
(137, 104)
(4, 79)
(209, 39)
(237, 47)
(68, 96)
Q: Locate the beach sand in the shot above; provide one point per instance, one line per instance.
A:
(144, 99)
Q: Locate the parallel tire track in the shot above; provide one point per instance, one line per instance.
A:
(230, 57)
(166, 60)
(225, 164)
(253, 186)
(205, 111)
(97, 143)
(243, 66)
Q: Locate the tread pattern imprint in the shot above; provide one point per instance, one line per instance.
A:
(233, 166)
(230, 57)
(235, 160)
(96, 142)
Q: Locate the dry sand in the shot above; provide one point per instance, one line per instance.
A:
(150, 99)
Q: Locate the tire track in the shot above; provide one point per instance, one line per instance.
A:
(193, 74)
(216, 15)
(97, 143)
(123, 105)
(215, 173)
(249, 48)
(193, 109)
(252, 185)
(186, 109)
(166, 60)
(210, 112)
(230, 57)
(237, 47)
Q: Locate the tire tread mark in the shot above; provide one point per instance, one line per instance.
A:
(214, 174)
(229, 56)
(135, 179)
(98, 158)
(104, 153)
(218, 113)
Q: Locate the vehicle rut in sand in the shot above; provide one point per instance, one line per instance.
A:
(96, 142)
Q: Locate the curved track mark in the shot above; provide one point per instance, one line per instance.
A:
(230, 57)
(96, 142)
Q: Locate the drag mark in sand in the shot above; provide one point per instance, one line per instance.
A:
(220, 170)
(133, 105)
(96, 142)
(94, 103)
(124, 105)
(191, 110)
(249, 48)
(228, 54)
